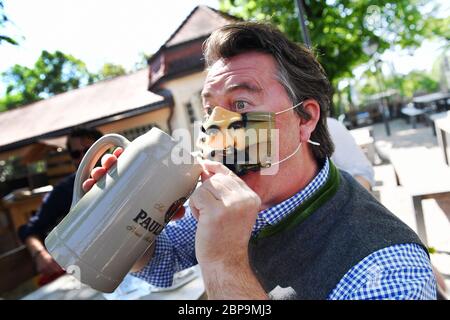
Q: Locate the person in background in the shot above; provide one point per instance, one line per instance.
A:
(348, 156)
(54, 208)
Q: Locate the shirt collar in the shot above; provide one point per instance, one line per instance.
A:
(276, 213)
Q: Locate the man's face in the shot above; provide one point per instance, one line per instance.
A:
(78, 148)
(248, 83)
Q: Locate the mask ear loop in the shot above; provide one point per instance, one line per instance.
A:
(309, 140)
(283, 111)
(288, 157)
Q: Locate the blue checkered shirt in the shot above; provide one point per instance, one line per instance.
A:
(396, 272)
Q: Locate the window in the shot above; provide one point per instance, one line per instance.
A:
(191, 112)
(133, 133)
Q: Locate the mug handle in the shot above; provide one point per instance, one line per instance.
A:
(90, 159)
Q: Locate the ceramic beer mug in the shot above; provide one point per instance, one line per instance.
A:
(110, 227)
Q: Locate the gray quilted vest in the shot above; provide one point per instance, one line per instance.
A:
(308, 253)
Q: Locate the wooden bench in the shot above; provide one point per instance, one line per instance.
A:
(442, 127)
(424, 176)
(22, 204)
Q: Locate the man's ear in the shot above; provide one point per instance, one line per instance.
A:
(311, 107)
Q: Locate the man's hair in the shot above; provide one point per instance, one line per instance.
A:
(299, 72)
(92, 134)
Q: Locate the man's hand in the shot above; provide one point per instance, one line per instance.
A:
(43, 260)
(46, 265)
(226, 210)
(108, 160)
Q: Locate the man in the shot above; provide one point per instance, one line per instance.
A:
(306, 232)
(55, 206)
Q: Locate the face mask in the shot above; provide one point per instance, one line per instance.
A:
(243, 142)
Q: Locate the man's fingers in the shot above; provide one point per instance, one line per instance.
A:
(118, 151)
(210, 168)
(215, 167)
(220, 186)
(88, 184)
(97, 173)
(108, 160)
(201, 198)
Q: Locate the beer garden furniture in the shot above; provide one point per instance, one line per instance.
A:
(442, 129)
(426, 105)
(22, 204)
(437, 100)
(424, 176)
(412, 113)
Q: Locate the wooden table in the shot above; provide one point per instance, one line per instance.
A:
(432, 98)
(412, 113)
(442, 127)
(424, 176)
(69, 288)
(22, 205)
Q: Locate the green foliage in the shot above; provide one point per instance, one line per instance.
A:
(110, 70)
(142, 62)
(339, 29)
(370, 87)
(52, 73)
(438, 68)
(415, 82)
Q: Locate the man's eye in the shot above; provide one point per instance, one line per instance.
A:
(240, 105)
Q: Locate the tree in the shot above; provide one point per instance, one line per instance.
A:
(110, 70)
(441, 69)
(339, 29)
(413, 83)
(142, 62)
(3, 21)
(52, 73)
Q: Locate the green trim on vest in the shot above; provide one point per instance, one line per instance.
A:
(304, 210)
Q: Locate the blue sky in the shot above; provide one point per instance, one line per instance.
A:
(100, 31)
